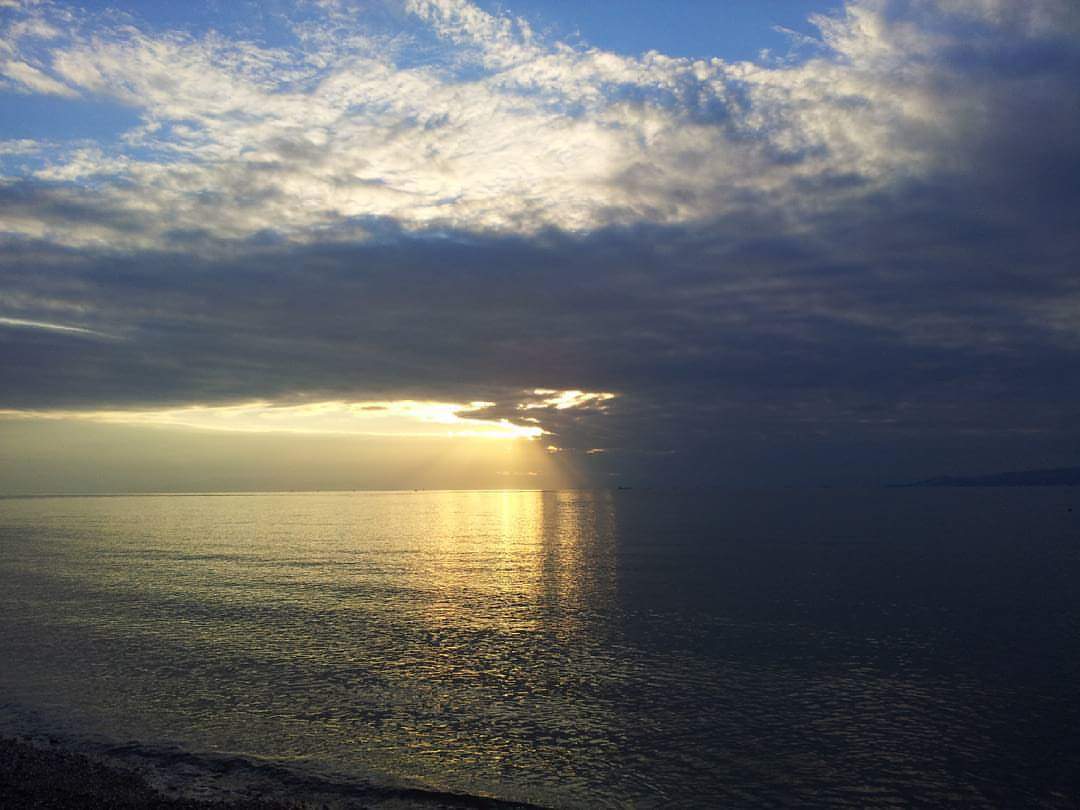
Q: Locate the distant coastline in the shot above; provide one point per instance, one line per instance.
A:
(1058, 477)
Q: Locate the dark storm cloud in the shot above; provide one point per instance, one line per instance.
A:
(896, 318)
(928, 321)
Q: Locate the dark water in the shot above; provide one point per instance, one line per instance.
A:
(571, 649)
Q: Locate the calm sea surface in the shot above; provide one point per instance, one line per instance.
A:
(569, 649)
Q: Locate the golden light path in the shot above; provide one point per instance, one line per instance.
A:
(404, 418)
(270, 445)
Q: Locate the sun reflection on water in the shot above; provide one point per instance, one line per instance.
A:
(516, 561)
(446, 635)
(570, 648)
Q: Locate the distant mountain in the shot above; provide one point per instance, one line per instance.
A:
(1061, 477)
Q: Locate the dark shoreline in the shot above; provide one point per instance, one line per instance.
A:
(49, 776)
(32, 776)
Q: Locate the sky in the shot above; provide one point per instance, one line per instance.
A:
(334, 244)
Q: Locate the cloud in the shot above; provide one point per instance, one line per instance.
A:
(564, 400)
(866, 252)
(305, 140)
(30, 79)
(20, 146)
(19, 323)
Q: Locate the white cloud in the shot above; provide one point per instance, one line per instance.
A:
(495, 130)
(566, 400)
(30, 79)
(21, 323)
(21, 146)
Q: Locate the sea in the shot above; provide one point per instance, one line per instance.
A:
(568, 649)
